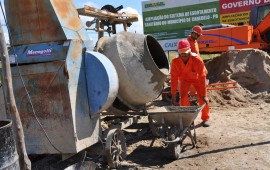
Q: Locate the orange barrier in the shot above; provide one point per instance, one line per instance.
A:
(217, 86)
(222, 86)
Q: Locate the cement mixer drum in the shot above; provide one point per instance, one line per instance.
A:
(141, 65)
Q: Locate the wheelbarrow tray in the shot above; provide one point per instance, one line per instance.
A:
(173, 124)
(181, 116)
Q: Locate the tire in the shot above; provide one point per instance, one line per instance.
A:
(174, 149)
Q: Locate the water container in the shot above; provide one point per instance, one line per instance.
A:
(8, 153)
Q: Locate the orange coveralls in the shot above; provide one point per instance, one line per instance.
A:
(192, 73)
(195, 49)
(194, 46)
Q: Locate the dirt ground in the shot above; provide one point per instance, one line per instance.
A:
(239, 135)
(238, 138)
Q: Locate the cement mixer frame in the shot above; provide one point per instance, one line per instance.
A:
(61, 86)
(115, 141)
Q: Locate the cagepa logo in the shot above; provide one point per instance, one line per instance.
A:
(46, 52)
(156, 4)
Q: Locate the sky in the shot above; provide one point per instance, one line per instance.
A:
(129, 7)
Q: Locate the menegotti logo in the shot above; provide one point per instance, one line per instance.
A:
(46, 52)
(156, 4)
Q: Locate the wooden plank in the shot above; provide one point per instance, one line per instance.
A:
(105, 15)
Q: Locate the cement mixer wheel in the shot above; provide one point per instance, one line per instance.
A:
(115, 148)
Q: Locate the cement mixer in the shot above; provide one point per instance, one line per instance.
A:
(61, 85)
(142, 67)
(56, 77)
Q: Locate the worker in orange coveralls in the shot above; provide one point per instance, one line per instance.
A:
(193, 39)
(189, 70)
(196, 32)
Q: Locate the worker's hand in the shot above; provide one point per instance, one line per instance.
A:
(173, 101)
(205, 99)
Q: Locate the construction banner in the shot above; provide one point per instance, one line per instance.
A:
(171, 20)
(237, 12)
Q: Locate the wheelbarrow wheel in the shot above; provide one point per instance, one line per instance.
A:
(174, 149)
(154, 127)
(115, 148)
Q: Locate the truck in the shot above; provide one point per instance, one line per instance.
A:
(223, 37)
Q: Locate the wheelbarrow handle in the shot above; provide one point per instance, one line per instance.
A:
(202, 106)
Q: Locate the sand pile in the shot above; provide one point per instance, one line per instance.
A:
(250, 68)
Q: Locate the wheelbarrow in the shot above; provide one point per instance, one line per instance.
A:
(173, 124)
